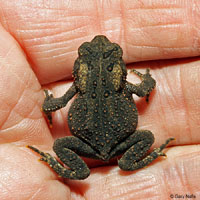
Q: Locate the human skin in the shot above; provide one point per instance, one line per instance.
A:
(38, 45)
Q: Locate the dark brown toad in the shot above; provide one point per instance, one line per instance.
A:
(103, 117)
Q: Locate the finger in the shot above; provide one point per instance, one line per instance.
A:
(20, 168)
(20, 96)
(52, 33)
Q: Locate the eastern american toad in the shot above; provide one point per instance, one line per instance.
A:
(103, 117)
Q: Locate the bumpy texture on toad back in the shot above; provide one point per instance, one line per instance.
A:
(103, 117)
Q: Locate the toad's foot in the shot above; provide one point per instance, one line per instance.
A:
(46, 157)
(142, 76)
(158, 151)
(77, 169)
(47, 111)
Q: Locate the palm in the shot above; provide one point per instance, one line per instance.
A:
(173, 109)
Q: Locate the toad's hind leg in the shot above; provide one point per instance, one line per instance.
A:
(67, 149)
(139, 143)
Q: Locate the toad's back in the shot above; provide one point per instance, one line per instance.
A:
(103, 112)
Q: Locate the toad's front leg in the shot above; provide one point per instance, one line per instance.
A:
(52, 104)
(68, 150)
(145, 87)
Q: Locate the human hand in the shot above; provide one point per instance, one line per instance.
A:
(49, 35)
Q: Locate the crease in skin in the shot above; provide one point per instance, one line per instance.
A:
(48, 45)
(5, 118)
(172, 101)
(5, 57)
(18, 127)
(168, 88)
(45, 53)
(180, 167)
(180, 171)
(184, 101)
(184, 178)
(44, 48)
(168, 48)
(156, 8)
(143, 186)
(156, 4)
(61, 34)
(151, 42)
(45, 7)
(36, 192)
(9, 111)
(162, 111)
(64, 18)
(49, 180)
(16, 112)
(167, 25)
(61, 56)
(50, 32)
(20, 118)
(166, 183)
(9, 68)
(155, 18)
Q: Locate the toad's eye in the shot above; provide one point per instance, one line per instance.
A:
(108, 53)
(110, 67)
